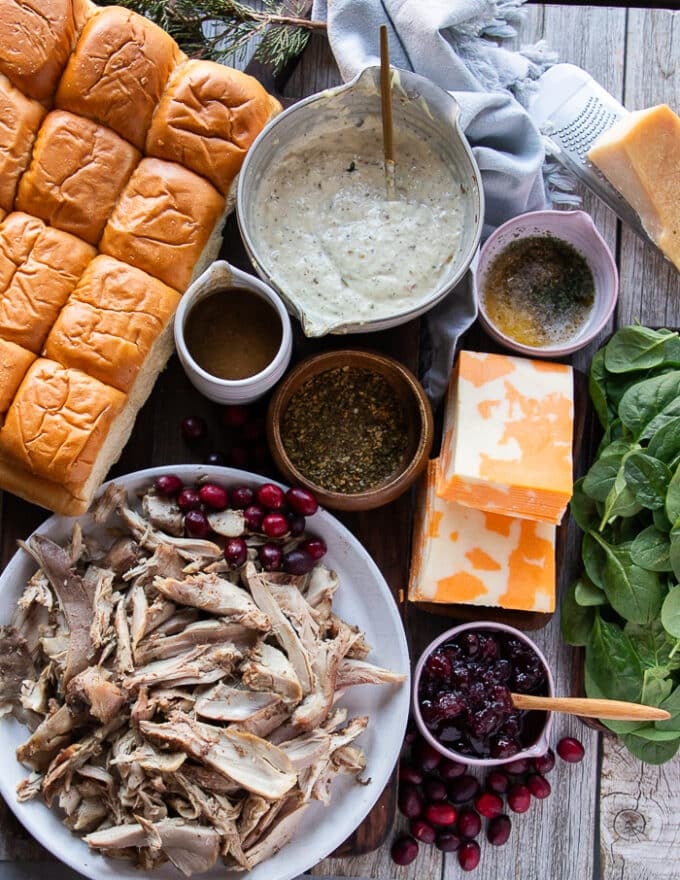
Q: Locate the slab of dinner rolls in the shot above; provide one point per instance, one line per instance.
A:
(20, 118)
(37, 39)
(77, 174)
(118, 164)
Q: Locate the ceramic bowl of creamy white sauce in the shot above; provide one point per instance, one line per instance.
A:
(316, 219)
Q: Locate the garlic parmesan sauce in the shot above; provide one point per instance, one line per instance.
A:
(334, 243)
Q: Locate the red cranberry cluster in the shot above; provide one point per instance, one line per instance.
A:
(446, 805)
(267, 510)
(242, 442)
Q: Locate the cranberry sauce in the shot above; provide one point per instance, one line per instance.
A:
(464, 694)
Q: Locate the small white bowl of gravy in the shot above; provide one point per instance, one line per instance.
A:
(233, 335)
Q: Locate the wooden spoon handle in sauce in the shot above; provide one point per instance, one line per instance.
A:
(588, 708)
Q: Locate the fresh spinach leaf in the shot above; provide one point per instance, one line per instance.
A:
(668, 414)
(653, 646)
(621, 500)
(661, 521)
(651, 752)
(576, 621)
(600, 478)
(656, 686)
(674, 549)
(633, 592)
(647, 478)
(597, 388)
(612, 662)
(583, 509)
(619, 727)
(644, 400)
(594, 559)
(670, 612)
(672, 505)
(671, 704)
(664, 443)
(638, 348)
(650, 549)
(586, 593)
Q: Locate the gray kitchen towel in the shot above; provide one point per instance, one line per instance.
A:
(456, 44)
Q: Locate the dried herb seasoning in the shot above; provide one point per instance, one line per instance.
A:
(345, 429)
(539, 291)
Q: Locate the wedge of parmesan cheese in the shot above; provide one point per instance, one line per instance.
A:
(467, 556)
(507, 439)
(640, 156)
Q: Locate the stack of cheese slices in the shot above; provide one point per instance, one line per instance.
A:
(487, 509)
(118, 158)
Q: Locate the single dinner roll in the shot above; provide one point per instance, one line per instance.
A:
(14, 362)
(165, 220)
(118, 71)
(76, 175)
(37, 39)
(58, 422)
(20, 118)
(207, 118)
(39, 267)
(111, 321)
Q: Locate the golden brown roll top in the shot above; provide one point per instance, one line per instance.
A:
(207, 118)
(39, 268)
(20, 118)
(14, 363)
(77, 173)
(164, 221)
(37, 39)
(111, 321)
(118, 71)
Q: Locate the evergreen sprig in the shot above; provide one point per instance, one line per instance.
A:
(282, 27)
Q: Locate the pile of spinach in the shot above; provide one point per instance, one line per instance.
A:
(625, 607)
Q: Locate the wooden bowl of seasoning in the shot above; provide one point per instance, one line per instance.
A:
(352, 426)
(546, 283)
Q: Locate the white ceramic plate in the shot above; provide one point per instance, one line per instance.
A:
(363, 599)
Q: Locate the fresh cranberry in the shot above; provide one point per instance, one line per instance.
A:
(498, 830)
(167, 484)
(270, 556)
(193, 428)
(440, 814)
(489, 804)
(238, 457)
(296, 524)
(297, 561)
(275, 525)
(242, 497)
(216, 458)
(463, 789)
(188, 499)
(422, 831)
(449, 769)
(434, 789)
(270, 496)
(213, 496)
(236, 552)
(253, 516)
(469, 824)
(302, 501)
(426, 757)
(407, 772)
(410, 801)
(196, 524)
(544, 763)
(570, 750)
(518, 767)
(316, 547)
(447, 841)
(468, 855)
(519, 798)
(404, 850)
(234, 416)
(538, 785)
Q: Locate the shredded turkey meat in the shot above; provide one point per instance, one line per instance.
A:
(181, 711)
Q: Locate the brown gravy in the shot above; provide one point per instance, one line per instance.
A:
(233, 334)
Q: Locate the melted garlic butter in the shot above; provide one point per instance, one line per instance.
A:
(334, 243)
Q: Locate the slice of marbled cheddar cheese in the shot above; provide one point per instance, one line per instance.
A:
(467, 556)
(507, 436)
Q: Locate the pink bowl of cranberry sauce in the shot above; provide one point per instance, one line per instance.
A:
(461, 695)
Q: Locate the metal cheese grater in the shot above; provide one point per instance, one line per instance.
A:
(572, 110)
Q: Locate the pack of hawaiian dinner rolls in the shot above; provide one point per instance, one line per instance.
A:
(118, 164)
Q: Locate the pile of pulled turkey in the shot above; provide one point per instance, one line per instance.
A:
(182, 708)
